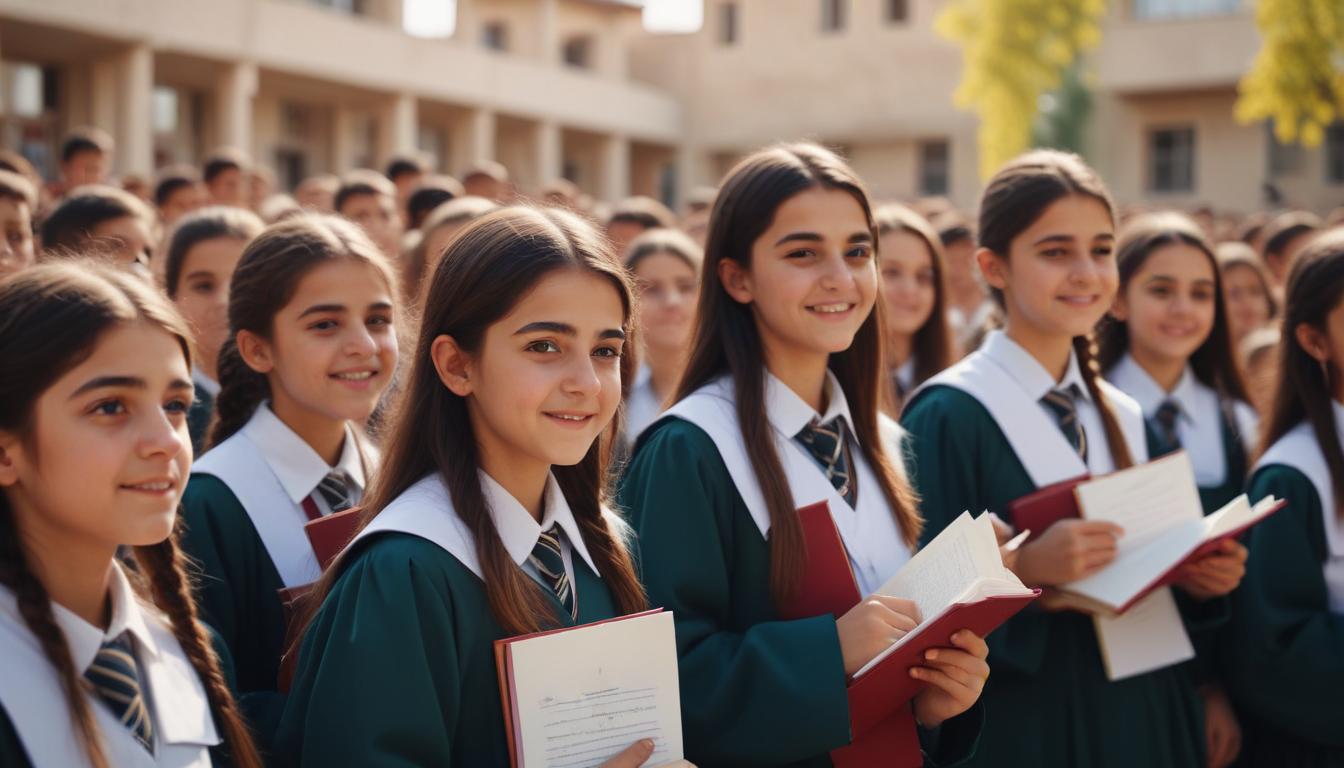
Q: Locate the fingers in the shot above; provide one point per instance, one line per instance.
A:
(943, 681)
(906, 608)
(971, 643)
(632, 756)
(1098, 528)
(960, 665)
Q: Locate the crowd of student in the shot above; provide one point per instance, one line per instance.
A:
(553, 412)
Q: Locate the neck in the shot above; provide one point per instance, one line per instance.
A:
(524, 479)
(967, 296)
(805, 375)
(209, 365)
(1165, 371)
(665, 369)
(324, 435)
(1050, 350)
(900, 346)
(74, 570)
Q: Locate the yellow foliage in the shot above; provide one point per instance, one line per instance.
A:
(1297, 78)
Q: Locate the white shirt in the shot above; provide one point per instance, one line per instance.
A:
(1200, 423)
(905, 375)
(519, 531)
(642, 406)
(296, 465)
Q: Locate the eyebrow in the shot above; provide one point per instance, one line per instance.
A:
(565, 329)
(199, 273)
(126, 382)
(320, 308)
(1071, 238)
(1200, 281)
(813, 237)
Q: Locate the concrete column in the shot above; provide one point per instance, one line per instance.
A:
(342, 138)
(615, 168)
(235, 90)
(400, 122)
(134, 127)
(549, 157)
(474, 141)
(104, 93)
(548, 34)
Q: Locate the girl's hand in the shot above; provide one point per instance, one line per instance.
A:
(869, 627)
(1068, 550)
(1220, 727)
(634, 756)
(1215, 574)
(956, 676)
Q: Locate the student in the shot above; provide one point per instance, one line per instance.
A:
(18, 200)
(369, 199)
(1167, 344)
(432, 192)
(437, 230)
(101, 664)
(1259, 356)
(786, 354)
(86, 158)
(225, 177)
(177, 193)
(1288, 666)
(666, 265)
(489, 180)
(312, 347)
(1247, 290)
(914, 292)
(970, 311)
(318, 193)
(493, 463)
(1284, 237)
(633, 217)
(102, 221)
(406, 172)
(203, 251)
(260, 186)
(1029, 409)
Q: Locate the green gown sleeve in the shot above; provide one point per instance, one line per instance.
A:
(12, 753)
(754, 690)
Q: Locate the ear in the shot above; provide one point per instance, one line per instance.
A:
(1313, 341)
(10, 449)
(1119, 309)
(992, 267)
(453, 365)
(736, 281)
(255, 351)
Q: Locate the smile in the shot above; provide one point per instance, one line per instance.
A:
(1080, 301)
(157, 486)
(571, 419)
(355, 375)
(834, 308)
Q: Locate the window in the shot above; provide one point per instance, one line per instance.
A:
(347, 6)
(495, 36)
(164, 109)
(728, 23)
(1184, 9)
(898, 11)
(1171, 160)
(578, 52)
(832, 15)
(1334, 154)
(934, 167)
(1284, 159)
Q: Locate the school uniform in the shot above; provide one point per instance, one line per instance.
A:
(244, 511)
(398, 666)
(1288, 668)
(1219, 434)
(202, 409)
(153, 682)
(757, 690)
(983, 433)
(903, 379)
(642, 406)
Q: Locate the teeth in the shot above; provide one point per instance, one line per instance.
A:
(152, 486)
(358, 376)
(569, 418)
(830, 308)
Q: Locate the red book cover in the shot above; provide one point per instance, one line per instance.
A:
(1039, 510)
(329, 535)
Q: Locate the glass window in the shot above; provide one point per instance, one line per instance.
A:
(898, 11)
(495, 36)
(1184, 9)
(728, 23)
(934, 167)
(1334, 154)
(1171, 160)
(832, 15)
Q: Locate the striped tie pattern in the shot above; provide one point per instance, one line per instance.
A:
(1063, 404)
(116, 679)
(829, 444)
(1164, 424)
(336, 489)
(546, 557)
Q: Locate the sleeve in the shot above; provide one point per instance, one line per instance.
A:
(1289, 645)
(378, 682)
(952, 451)
(752, 692)
(954, 742)
(12, 752)
(205, 512)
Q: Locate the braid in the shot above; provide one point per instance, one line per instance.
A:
(241, 390)
(1083, 348)
(165, 564)
(35, 607)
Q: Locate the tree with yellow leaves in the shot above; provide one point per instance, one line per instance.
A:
(1297, 78)
(1014, 51)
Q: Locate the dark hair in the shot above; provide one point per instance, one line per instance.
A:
(199, 226)
(87, 139)
(933, 346)
(727, 341)
(362, 182)
(662, 240)
(68, 230)
(1214, 362)
(264, 282)
(16, 163)
(952, 227)
(17, 188)
(432, 192)
(51, 319)
(173, 179)
(488, 169)
(644, 211)
(453, 212)
(1304, 391)
(1015, 198)
(1235, 255)
(1287, 227)
(405, 165)
(222, 160)
(495, 262)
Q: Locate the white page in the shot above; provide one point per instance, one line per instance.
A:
(584, 695)
(1149, 636)
(963, 552)
(1145, 500)
(1134, 568)
(1237, 513)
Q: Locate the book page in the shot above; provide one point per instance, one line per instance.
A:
(1238, 513)
(1135, 568)
(1149, 636)
(940, 572)
(583, 695)
(1145, 500)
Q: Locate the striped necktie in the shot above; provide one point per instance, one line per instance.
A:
(115, 677)
(337, 490)
(1064, 406)
(547, 558)
(1164, 422)
(829, 445)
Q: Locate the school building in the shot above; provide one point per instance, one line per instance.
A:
(578, 88)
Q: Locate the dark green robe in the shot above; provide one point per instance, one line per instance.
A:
(755, 690)
(1287, 670)
(398, 666)
(1048, 702)
(1215, 497)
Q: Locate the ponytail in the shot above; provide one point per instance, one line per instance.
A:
(241, 391)
(1083, 349)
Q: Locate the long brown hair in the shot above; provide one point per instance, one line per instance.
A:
(727, 341)
(488, 268)
(1015, 198)
(265, 280)
(1305, 389)
(932, 347)
(1214, 362)
(51, 318)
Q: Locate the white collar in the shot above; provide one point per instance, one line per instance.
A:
(1339, 419)
(1136, 382)
(204, 382)
(905, 373)
(519, 531)
(788, 413)
(1028, 371)
(296, 465)
(85, 639)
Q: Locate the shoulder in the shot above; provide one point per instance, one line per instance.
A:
(1283, 481)
(944, 404)
(673, 437)
(401, 556)
(208, 490)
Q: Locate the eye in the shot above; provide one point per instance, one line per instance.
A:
(108, 408)
(324, 325)
(177, 405)
(607, 352)
(1101, 252)
(545, 346)
(859, 252)
(1160, 291)
(801, 254)
(379, 320)
(204, 287)
(1054, 253)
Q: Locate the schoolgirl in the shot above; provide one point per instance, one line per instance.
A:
(100, 664)
(778, 409)
(488, 518)
(103, 221)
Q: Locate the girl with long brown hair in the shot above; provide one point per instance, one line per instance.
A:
(1288, 618)
(779, 408)
(1027, 410)
(495, 466)
(101, 664)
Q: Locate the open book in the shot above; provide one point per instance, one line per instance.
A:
(958, 581)
(577, 696)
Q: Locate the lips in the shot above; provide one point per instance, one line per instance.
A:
(570, 419)
(1080, 301)
(355, 375)
(159, 486)
(831, 308)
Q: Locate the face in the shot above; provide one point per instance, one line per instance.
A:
(813, 278)
(1169, 304)
(333, 348)
(259, 188)
(1262, 375)
(1326, 344)
(203, 291)
(907, 282)
(960, 262)
(484, 186)
(546, 380)
(87, 167)
(229, 187)
(109, 453)
(16, 227)
(128, 240)
(1060, 275)
(620, 233)
(377, 216)
(181, 202)
(667, 290)
(696, 224)
(316, 195)
(1247, 302)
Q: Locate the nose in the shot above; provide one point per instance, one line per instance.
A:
(161, 438)
(836, 273)
(360, 342)
(581, 377)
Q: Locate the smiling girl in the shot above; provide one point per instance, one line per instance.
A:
(311, 309)
(101, 664)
